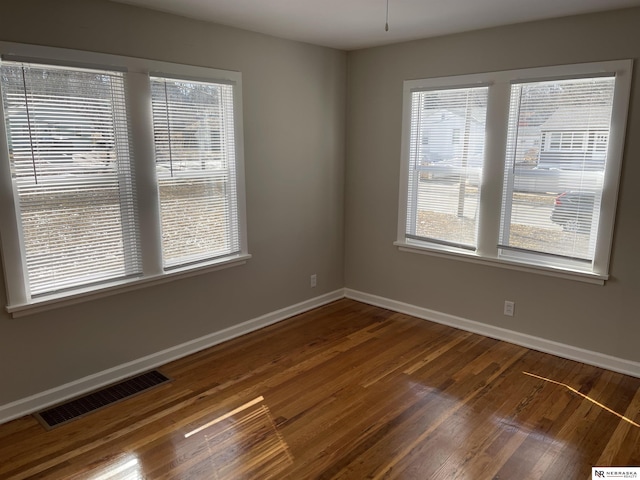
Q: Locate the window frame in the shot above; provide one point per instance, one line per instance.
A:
(490, 208)
(189, 174)
(467, 171)
(137, 83)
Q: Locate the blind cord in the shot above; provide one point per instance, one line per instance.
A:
(166, 97)
(26, 104)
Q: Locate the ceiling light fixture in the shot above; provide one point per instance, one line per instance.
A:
(386, 25)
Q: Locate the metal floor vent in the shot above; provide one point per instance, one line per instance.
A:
(78, 407)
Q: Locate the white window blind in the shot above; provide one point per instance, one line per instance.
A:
(69, 153)
(447, 135)
(193, 125)
(556, 159)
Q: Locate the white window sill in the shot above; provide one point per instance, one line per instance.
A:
(473, 257)
(50, 302)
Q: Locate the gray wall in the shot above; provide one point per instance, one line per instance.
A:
(294, 129)
(295, 96)
(600, 318)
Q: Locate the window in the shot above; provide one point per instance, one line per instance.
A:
(69, 150)
(563, 141)
(551, 201)
(446, 171)
(115, 178)
(530, 178)
(195, 160)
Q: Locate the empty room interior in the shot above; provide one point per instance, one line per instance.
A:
(319, 240)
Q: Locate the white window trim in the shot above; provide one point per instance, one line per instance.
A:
(493, 175)
(50, 302)
(139, 109)
(472, 257)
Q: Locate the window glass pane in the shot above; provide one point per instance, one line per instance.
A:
(446, 157)
(556, 156)
(195, 160)
(69, 151)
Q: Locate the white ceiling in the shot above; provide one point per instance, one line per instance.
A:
(353, 24)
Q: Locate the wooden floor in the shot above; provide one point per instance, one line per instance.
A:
(349, 391)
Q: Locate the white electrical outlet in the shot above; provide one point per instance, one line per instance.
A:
(509, 308)
(313, 281)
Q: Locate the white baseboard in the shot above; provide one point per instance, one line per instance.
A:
(81, 386)
(39, 401)
(597, 359)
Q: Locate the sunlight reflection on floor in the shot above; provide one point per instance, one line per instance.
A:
(126, 467)
(586, 397)
(245, 444)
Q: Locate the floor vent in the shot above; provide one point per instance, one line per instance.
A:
(78, 407)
